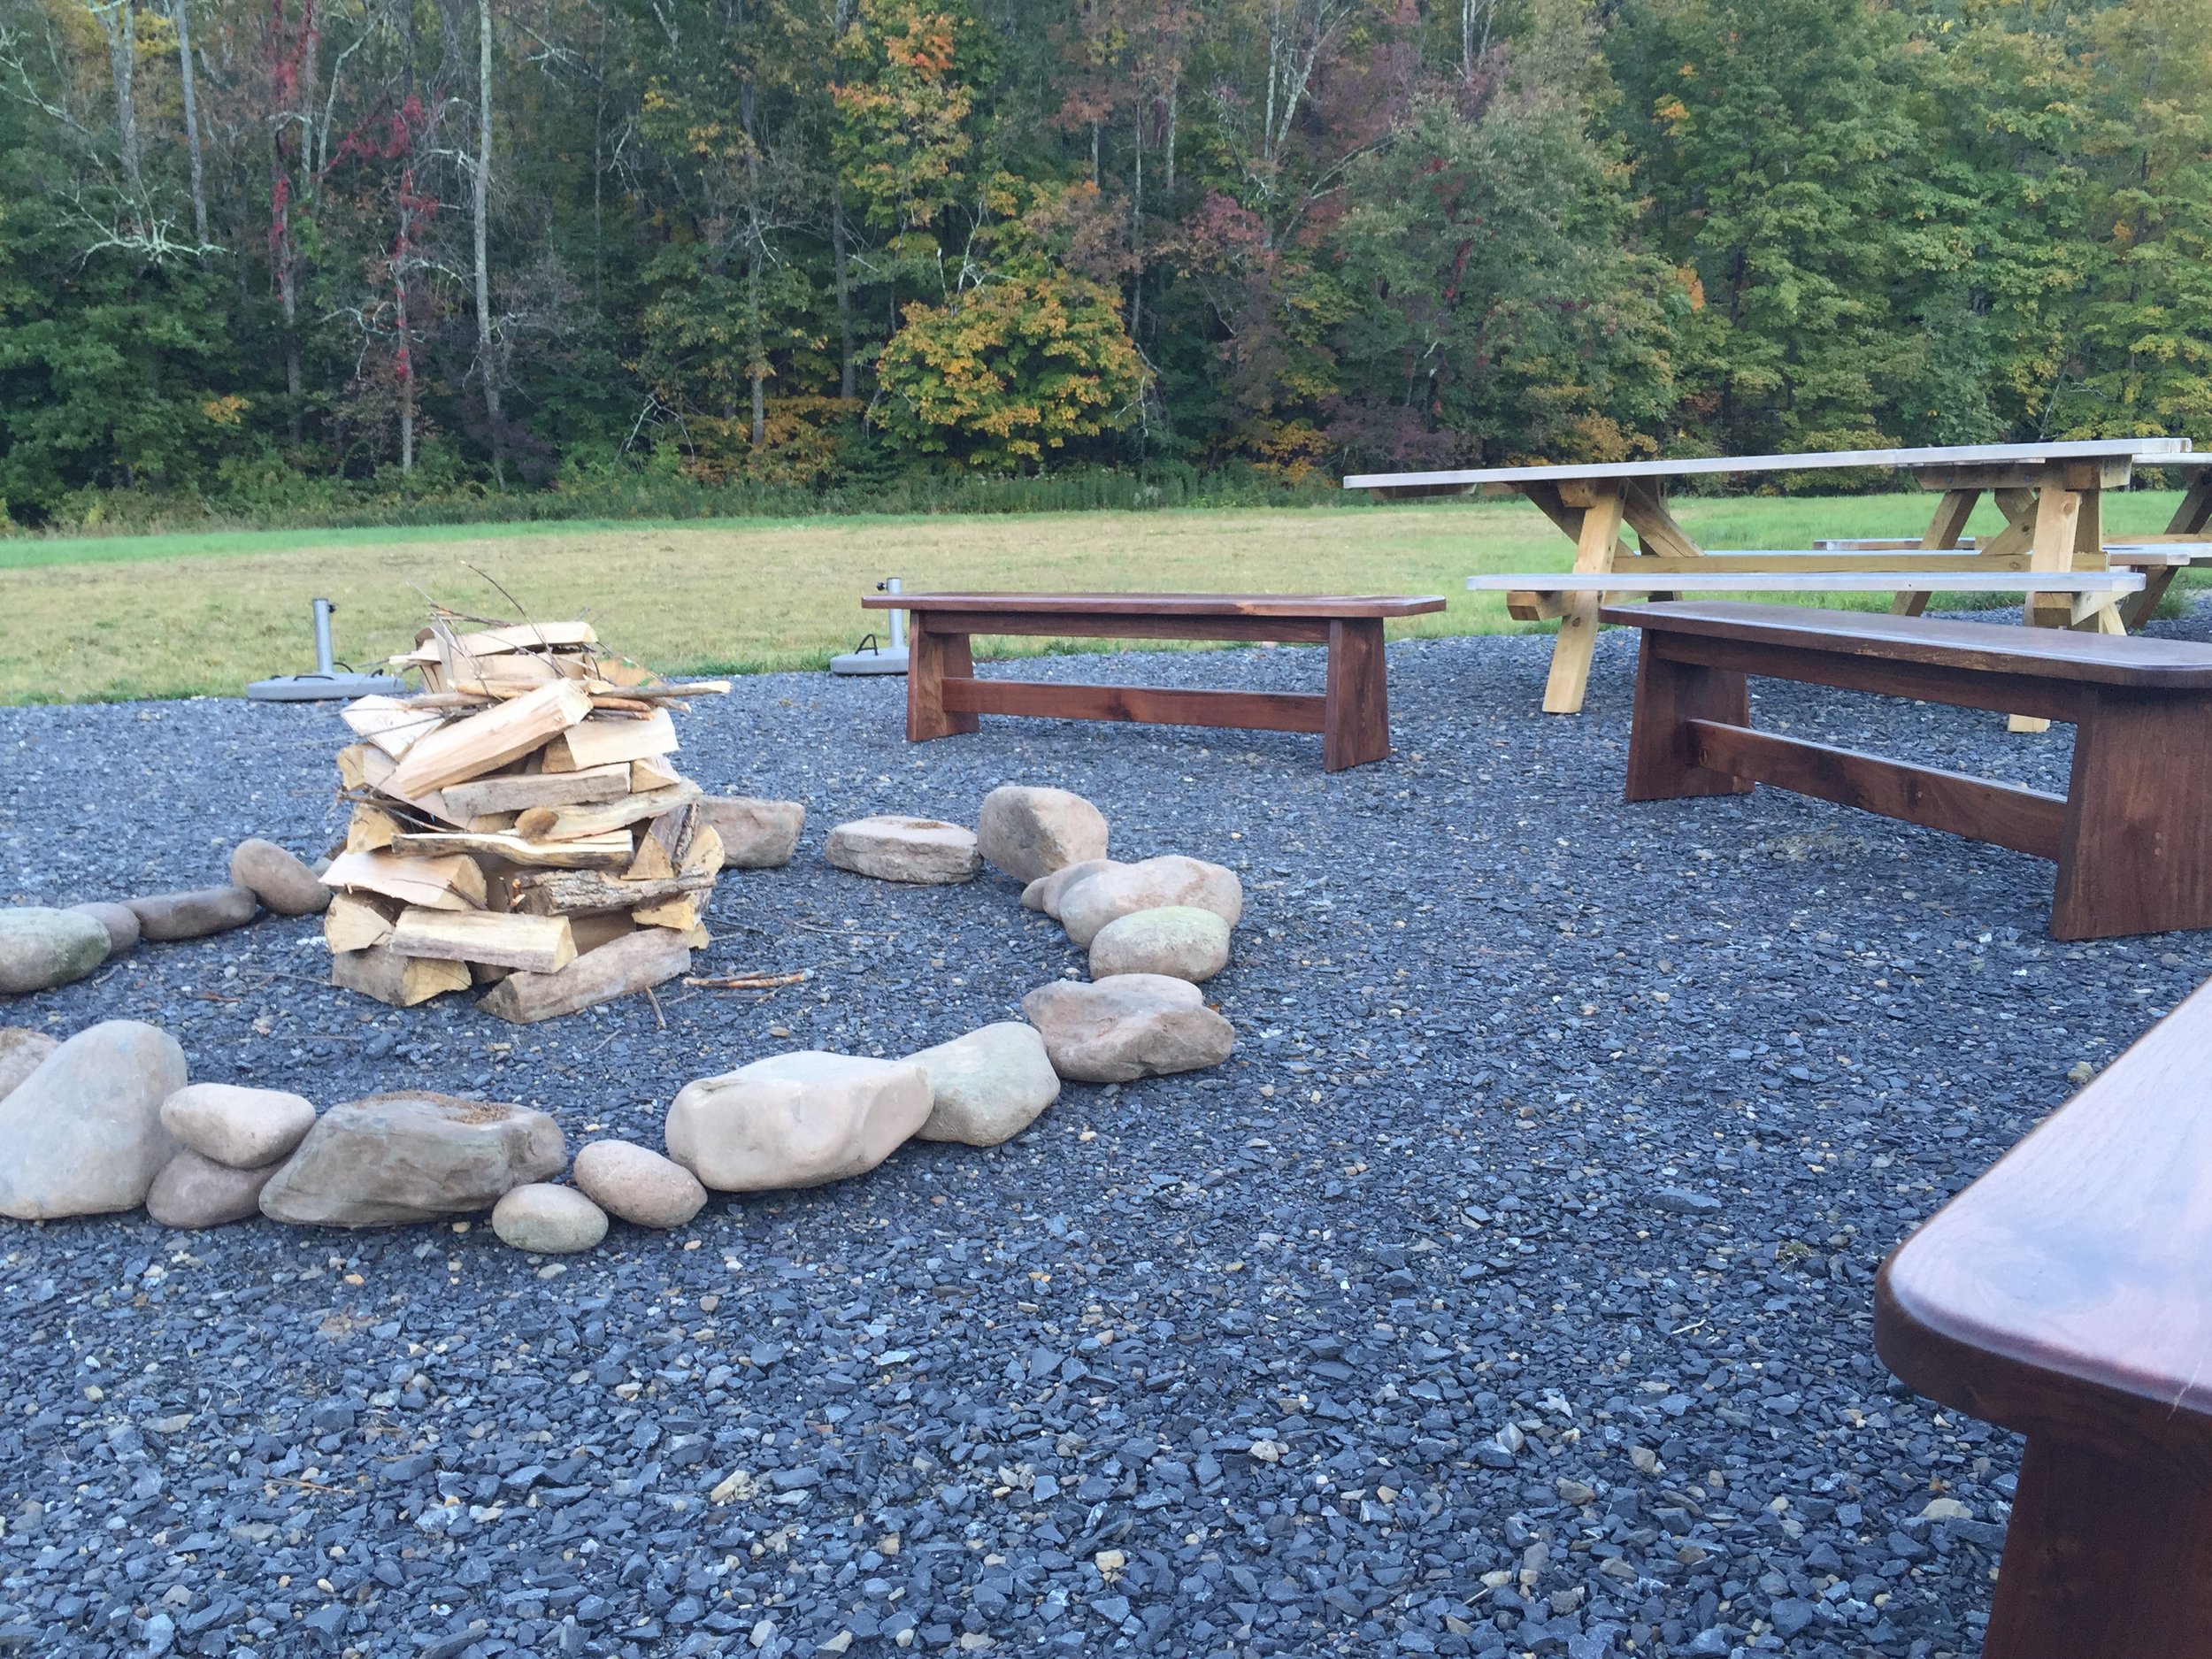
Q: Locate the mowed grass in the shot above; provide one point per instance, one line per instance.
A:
(176, 616)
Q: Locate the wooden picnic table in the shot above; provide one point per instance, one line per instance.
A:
(2050, 494)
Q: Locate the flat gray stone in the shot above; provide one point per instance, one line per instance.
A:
(988, 1085)
(1028, 831)
(278, 879)
(548, 1219)
(40, 949)
(82, 1134)
(796, 1121)
(195, 1192)
(194, 914)
(22, 1051)
(1131, 1025)
(638, 1183)
(925, 851)
(245, 1128)
(411, 1157)
(755, 834)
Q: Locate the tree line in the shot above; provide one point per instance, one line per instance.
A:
(291, 254)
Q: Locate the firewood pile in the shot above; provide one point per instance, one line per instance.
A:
(519, 824)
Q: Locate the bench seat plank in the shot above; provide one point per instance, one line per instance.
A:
(1686, 575)
(1323, 607)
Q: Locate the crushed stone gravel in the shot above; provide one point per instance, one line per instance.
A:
(1506, 1292)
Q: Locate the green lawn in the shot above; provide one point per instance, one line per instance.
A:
(174, 615)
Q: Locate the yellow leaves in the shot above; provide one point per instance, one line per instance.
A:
(227, 410)
(1672, 113)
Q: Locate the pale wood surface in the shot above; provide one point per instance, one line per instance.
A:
(611, 851)
(450, 883)
(635, 962)
(541, 944)
(520, 793)
(487, 741)
(1814, 582)
(605, 742)
(1075, 606)
(578, 823)
(402, 981)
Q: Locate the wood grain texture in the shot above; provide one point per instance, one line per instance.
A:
(933, 656)
(2137, 856)
(2025, 821)
(1248, 710)
(1356, 729)
(1662, 762)
(1325, 606)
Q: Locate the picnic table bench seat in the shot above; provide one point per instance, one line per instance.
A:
(2132, 836)
(945, 696)
(2067, 1295)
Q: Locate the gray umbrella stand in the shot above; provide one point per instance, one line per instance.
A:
(326, 683)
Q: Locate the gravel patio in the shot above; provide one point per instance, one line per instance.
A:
(1508, 1291)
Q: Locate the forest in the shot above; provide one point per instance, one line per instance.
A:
(312, 257)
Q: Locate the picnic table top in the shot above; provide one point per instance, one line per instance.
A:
(1725, 580)
(2150, 451)
(2086, 1251)
(2111, 659)
(1314, 606)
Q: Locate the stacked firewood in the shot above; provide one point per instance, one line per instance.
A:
(518, 824)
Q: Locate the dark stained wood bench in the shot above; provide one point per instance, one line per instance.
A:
(2068, 1294)
(2132, 836)
(943, 696)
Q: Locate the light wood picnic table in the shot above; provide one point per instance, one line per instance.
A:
(2050, 494)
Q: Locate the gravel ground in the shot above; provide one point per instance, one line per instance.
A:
(1508, 1292)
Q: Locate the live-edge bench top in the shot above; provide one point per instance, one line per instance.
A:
(1303, 607)
(2086, 1254)
(2132, 662)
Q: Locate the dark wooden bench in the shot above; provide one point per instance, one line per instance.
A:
(943, 696)
(2068, 1294)
(2132, 836)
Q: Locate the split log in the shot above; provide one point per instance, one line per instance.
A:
(363, 769)
(355, 921)
(599, 852)
(661, 846)
(520, 792)
(541, 944)
(524, 636)
(573, 892)
(402, 981)
(634, 962)
(600, 742)
(372, 829)
(599, 928)
(438, 884)
(391, 725)
(701, 854)
(680, 913)
(483, 742)
(651, 773)
(576, 823)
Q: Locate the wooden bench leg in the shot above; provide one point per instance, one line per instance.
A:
(2104, 1559)
(930, 657)
(1356, 718)
(1661, 759)
(2136, 853)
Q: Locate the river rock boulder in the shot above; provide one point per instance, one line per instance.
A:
(550, 1220)
(755, 834)
(22, 1050)
(242, 1128)
(1180, 941)
(120, 919)
(796, 1121)
(278, 879)
(82, 1134)
(194, 1192)
(1150, 884)
(194, 914)
(1029, 832)
(1047, 892)
(1131, 1025)
(415, 1157)
(638, 1183)
(40, 949)
(926, 851)
(988, 1085)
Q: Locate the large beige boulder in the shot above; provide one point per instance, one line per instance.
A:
(22, 1051)
(755, 834)
(40, 949)
(1029, 832)
(194, 914)
(411, 1157)
(638, 1183)
(194, 1192)
(796, 1121)
(1180, 941)
(924, 850)
(278, 879)
(988, 1085)
(548, 1219)
(1046, 892)
(245, 1128)
(82, 1134)
(1131, 1025)
(1150, 884)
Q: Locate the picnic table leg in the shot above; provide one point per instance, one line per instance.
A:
(931, 658)
(1577, 642)
(2137, 609)
(2057, 516)
(2135, 855)
(1945, 530)
(2103, 1560)
(1356, 713)
(1662, 758)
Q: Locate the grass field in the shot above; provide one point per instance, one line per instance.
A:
(175, 616)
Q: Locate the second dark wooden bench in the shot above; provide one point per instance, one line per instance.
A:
(943, 696)
(2068, 1294)
(2132, 834)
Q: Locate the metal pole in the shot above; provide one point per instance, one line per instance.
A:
(323, 663)
(898, 618)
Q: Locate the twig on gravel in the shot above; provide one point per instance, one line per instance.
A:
(750, 981)
(659, 1018)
